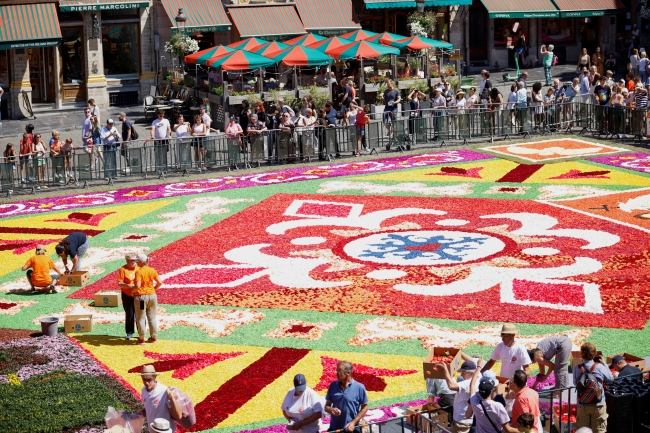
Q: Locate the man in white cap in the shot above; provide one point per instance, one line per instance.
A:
(110, 139)
(513, 356)
(461, 424)
(147, 282)
(160, 407)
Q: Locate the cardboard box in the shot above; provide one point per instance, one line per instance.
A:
(75, 278)
(429, 368)
(438, 415)
(108, 299)
(78, 323)
(576, 358)
(630, 359)
(502, 388)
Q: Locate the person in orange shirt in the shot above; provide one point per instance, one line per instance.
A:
(526, 400)
(147, 282)
(126, 282)
(39, 275)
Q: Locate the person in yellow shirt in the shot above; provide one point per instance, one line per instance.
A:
(39, 276)
(147, 282)
(126, 282)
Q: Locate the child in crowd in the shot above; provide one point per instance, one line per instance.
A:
(66, 151)
(25, 155)
(55, 153)
(525, 422)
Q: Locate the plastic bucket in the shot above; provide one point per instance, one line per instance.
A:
(49, 326)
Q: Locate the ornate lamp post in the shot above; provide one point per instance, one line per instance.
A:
(180, 25)
(420, 5)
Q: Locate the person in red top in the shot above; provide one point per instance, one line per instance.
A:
(630, 82)
(362, 120)
(526, 400)
(126, 282)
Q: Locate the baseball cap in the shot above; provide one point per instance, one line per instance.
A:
(142, 257)
(467, 366)
(122, 114)
(485, 387)
(299, 382)
(110, 121)
(40, 247)
(491, 377)
(616, 360)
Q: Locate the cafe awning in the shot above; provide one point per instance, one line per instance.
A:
(208, 16)
(396, 4)
(521, 8)
(101, 5)
(43, 29)
(588, 8)
(267, 22)
(328, 17)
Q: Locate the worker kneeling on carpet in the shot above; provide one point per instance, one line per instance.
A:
(39, 276)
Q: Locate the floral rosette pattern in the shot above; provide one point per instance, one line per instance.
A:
(447, 258)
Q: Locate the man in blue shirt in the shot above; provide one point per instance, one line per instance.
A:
(346, 400)
(584, 82)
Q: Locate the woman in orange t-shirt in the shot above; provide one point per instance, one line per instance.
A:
(147, 282)
(39, 275)
(126, 281)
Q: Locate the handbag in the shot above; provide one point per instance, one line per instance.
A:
(496, 429)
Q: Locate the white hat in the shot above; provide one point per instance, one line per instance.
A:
(160, 425)
(110, 121)
(491, 376)
(142, 257)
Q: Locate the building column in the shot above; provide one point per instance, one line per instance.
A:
(96, 80)
(58, 97)
(459, 30)
(20, 83)
(147, 50)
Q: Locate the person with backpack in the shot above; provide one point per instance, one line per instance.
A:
(590, 379)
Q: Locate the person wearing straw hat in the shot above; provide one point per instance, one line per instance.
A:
(39, 274)
(160, 407)
(513, 355)
(303, 407)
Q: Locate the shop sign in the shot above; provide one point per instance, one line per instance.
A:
(331, 32)
(577, 14)
(103, 7)
(548, 14)
(278, 38)
(203, 29)
(17, 45)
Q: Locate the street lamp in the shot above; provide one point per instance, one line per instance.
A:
(180, 21)
(180, 25)
(420, 5)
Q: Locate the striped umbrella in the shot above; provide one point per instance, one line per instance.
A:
(385, 38)
(359, 35)
(330, 44)
(307, 39)
(240, 60)
(362, 50)
(269, 48)
(200, 57)
(419, 43)
(247, 44)
(301, 56)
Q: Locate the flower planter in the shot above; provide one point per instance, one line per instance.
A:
(376, 109)
(176, 88)
(215, 99)
(407, 84)
(273, 96)
(238, 99)
(371, 87)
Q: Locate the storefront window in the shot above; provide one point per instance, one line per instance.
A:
(4, 68)
(556, 30)
(121, 52)
(72, 55)
(504, 33)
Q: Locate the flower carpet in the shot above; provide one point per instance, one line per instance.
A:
(266, 275)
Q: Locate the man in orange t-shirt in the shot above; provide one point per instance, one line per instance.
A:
(39, 275)
(147, 282)
(126, 282)
(526, 400)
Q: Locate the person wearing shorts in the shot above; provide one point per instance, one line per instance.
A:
(392, 97)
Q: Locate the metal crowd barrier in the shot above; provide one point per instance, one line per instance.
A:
(550, 395)
(148, 157)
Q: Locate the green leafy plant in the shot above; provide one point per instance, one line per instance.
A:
(58, 401)
(168, 76)
(376, 79)
(319, 96)
(217, 90)
(189, 81)
(422, 23)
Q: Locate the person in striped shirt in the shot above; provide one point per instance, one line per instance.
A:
(640, 96)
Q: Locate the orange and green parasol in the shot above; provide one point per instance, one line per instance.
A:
(240, 60)
(201, 57)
